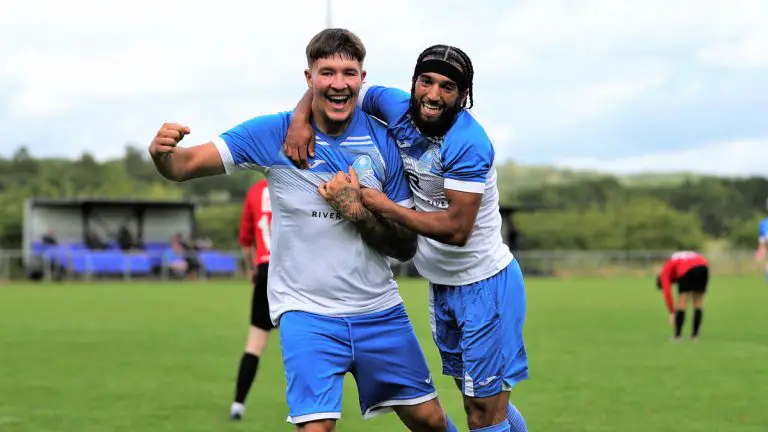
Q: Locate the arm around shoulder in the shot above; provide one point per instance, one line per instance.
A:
(452, 226)
(385, 103)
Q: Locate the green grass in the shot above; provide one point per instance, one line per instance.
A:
(162, 357)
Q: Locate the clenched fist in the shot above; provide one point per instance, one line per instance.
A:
(167, 138)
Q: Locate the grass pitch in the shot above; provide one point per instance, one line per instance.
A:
(153, 356)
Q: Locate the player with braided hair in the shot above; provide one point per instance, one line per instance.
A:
(456, 57)
(477, 294)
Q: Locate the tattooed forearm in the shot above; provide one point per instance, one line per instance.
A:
(347, 202)
(387, 236)
(384, 235)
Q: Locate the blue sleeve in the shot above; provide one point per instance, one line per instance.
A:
(762, 230)
(396, 184)
(385, 103)
(254, 144)
(467, 157)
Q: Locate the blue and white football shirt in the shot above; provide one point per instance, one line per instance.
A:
(319, 262)
(762, 231)
(462, 160)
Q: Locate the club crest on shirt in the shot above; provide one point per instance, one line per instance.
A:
(363, 166)
(428, 160)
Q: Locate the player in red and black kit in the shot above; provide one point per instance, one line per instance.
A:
(690, 270)
(255, 234)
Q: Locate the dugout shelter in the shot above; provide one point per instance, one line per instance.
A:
(109, 237)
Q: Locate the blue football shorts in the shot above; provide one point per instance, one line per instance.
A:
(478, 329)
(379, 349)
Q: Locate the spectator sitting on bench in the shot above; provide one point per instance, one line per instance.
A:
(93, 241)
(174, 257)
(126, 240)
(190, 250)
(49, 238)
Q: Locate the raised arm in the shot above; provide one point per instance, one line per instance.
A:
(253, 144)
(183, 163)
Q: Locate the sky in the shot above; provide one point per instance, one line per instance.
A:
(621, 86)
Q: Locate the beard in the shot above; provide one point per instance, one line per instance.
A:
(436, 128)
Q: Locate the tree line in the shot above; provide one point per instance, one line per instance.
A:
(594, 212)
(605, 214)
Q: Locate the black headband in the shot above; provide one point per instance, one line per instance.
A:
(444, 68)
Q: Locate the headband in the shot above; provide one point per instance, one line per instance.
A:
(444, 68)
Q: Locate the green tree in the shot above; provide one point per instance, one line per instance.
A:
(743, 234)
(642, 223)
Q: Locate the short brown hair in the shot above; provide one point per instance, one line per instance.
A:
(335, 41)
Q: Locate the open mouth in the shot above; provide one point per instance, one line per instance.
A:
(430, 109)
(338, 101)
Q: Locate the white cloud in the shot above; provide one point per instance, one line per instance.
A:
(593, 100)
(82, 71)
(734, 158)
(98, 51)
(749, 51)
(596, 25)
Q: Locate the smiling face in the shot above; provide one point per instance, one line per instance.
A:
(441, 87)
(434, 103)
(335, 75)
(335, 82)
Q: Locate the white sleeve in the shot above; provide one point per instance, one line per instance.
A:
(226, 155)
(361, 95)
(406, 203)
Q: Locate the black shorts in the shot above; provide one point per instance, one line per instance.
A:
(259, 302)
(694, 280)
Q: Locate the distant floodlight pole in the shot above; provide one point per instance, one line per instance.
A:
(328, 19)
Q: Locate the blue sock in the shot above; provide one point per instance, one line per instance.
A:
(515, 419)
(501, 427)
(451, 426)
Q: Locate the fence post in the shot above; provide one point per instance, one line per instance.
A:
(5, 265)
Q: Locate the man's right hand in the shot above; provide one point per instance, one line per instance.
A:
(342, 192)
(299, 143)
(167, 138)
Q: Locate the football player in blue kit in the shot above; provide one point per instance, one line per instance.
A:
(477, 294)
(346, 313)
(762, 243)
